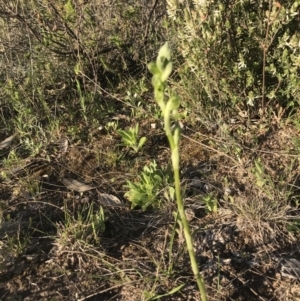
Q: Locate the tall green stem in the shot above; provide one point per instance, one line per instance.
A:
(188, 237)
(161, 71)
(180, 206)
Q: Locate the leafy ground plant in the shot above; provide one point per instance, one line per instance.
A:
(145, 191)
(161, 70)
(130, 138)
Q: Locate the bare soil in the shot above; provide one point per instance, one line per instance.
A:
(239, 247)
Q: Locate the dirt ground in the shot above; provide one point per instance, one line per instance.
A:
(141, 255)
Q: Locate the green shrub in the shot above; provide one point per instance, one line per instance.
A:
(57, 56)
(240, 52)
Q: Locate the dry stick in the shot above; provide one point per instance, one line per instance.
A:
(212, 149)
(105, 290)
(148, 22)
(266, 47)
(245, 147)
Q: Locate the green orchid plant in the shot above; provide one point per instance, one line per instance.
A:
(161, 70)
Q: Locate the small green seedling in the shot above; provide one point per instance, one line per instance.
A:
(263, 180)
(211, 203)
(294, 226)
(130, 138)
(112, 126)
(86, 225)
